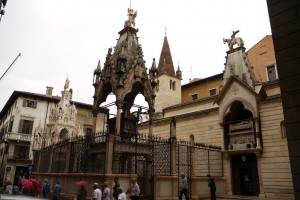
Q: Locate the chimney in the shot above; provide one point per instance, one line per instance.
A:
(49, 91)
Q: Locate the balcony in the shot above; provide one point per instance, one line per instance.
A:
(20, 157)
(18, 137)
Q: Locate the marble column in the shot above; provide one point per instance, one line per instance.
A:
(118, 119)
(110, 138)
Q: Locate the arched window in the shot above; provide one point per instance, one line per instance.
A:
(174, 85)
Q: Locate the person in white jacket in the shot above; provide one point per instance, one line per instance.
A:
(122, 195)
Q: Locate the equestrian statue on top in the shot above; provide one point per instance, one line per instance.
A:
(234, 40)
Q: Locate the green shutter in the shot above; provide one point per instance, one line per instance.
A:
(21, 126)
(31, 126)
(24, 102)
(10, 125)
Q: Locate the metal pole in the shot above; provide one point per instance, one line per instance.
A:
(10, 66)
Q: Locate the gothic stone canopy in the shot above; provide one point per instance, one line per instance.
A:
(124, 72)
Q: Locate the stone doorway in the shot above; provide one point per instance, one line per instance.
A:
(245, 175)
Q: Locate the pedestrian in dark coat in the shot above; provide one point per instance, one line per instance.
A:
(212, 187)
(56, 191)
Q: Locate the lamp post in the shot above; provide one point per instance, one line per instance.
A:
(2, 5)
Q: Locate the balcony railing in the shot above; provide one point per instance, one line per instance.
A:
(20, 157)
(18, 136)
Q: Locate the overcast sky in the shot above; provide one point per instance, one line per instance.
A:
(66, 38)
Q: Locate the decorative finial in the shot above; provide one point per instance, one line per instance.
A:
(165, 31)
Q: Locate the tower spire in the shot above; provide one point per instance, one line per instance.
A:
(165, 64)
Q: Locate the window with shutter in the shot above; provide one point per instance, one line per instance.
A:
(29, 103)
(212, 92)
(25, 126)
(194, 96)
(10, 125)
(21, 126)
(271, 73)
(21, 152)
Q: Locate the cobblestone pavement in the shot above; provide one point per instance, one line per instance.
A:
(16, 197)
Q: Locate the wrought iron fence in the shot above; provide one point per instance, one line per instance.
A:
(144, 155)
(88, 154)
(161, 157)
(44, 160)
(59, 158)
(134, 155)
(36, 156)
(208, 160)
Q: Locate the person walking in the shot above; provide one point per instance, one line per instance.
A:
(122, 195)
(212, 187)
(81, 194)
(134, 190)
(106, 191)
(46, 189)
(97, 194)
(115, 188)
(183, 187)
(56, 191)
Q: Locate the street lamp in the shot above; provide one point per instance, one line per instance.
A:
(2, 11)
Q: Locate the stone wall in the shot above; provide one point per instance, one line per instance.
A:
(275, 162)
(204, 126)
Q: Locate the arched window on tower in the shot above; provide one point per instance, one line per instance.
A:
(170, 84)
(174, 85)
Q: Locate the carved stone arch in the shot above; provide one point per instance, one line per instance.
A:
(137, 87)
(246, 104)
(105, 90)
(64, 134)
(129, 101)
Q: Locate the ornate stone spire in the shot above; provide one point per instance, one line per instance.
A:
(165, 64)
(63, 115)
(67, 82)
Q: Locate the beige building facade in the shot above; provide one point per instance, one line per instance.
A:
(244, 116)
(31, 121)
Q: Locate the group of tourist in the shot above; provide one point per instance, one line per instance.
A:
(98, 194)
(118, 193)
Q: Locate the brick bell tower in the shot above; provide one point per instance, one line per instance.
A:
(169, 82)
